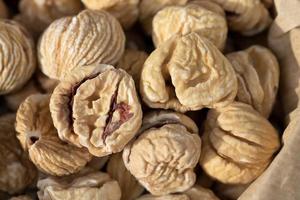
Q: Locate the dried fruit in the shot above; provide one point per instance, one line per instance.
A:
(21, 197)
(193, 17)
(36, 15)
(258, 77)
(164, 197)
(96, 107)
(238, 144)
(132, 62)
(148, 8)
(187, 73)
(16, 171)
(246, 16)
(91, 37)
(195, 193)
(126, 11)
(163, 157)
(3, 10)
(17, 56)
(86, 185)
(38, 135)
(130, 187)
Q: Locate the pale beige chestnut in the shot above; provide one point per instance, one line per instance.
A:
(22, 197)
(238, 144)
(96, 107)
(38, 136)
(126, 11)
(204, 17)
(36, 15)
(257, 72)
(163, 156)
(195, 193)
(16, 171)
(91, 37)
(17, 56)
(246, 16)
(85, 185)
(148, 8)
(187, 73)
(130, 187)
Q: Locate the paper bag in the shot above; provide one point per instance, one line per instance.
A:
(284, 40)
(281, 181)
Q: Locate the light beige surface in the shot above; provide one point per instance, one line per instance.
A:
(17, 56)
(163, 156)
(238, 144)
(193, 17)
(130, 187)
(281, 179)
(37, 134)
(16, 171)
(194, 193)
(85, 185)
(36, 15)
(21, 197)
(284, 40)
(246, 16)
(257, 72)
(126, 11)
(148, 8)
(96, 107)
(91, 37)
(187, 73)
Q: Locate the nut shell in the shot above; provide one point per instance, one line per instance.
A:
(91, 37)
(187, 73)
(193, 17)
(38, 135)
(17, 56)
(36, 15)
(130, 187)
(246, 16)
(16, 171)
(96, 107)
(126, 11)
(195, 193)
(163, 157)
(148, 8)
(258, 77)
(21, 197)
(238, 144)
(86, 185)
